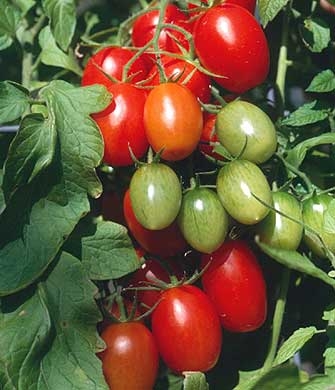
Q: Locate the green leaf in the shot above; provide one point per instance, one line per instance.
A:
(105, 249)
(2, 197)
(9, 19)
(329, 353)
(280, 378)
(52, 55)
(31, 151)
(315, 34)
(24, 5)
(305, 115)
(41, 215)
(14, 101)
(294, 343)
(5, 41)
(297, 155)
(195, 381)
(296, 261)
(268, 9)
(319, 382)
(62, 15)
(48, 337)
(248, 379)
(329, 218)
(322, 82)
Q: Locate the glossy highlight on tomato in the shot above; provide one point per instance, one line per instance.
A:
(235, 283)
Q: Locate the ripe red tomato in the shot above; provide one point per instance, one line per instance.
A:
(112, 60)
(208, 136)
(234, 281)
(250, 5)
(184, 73)
(122, 126)
(154, 241)
(173, 120)
(145, 26)
(229, 42)
(130, 360)
(187, 329)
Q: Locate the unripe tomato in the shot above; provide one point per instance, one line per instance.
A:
(277, 230)
(235, 283)
(229, 42)
(130, 360)
(236, 183)
(173, 121)
(187, 329)
(241, 125)
(316, 211)
(155, 194)
(203, 220)
(154, 241)
(208, 136)
(122, 126)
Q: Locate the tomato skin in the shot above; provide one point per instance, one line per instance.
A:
(154, 241)
(235, 283)
(123, 127)
(229, 42)
(130, 360)
(112, 60)
(178, 70)
(314, 211)
(277, 230)
(250, 5)
(185, 314)
(203, 220)
(208, 136)
(173, 121)
(240, 121)
(236, 184)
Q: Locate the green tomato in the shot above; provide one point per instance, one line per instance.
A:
(243, 125)
(203, 220)
(277, 230)
(155, 194)
(318, 214)
(236, 184)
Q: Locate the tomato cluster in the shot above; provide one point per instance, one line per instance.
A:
(161, 102)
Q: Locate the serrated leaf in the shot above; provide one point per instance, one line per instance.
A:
(247, 379)
(297, 155)
(294, 343)
(14, 101)
(280, 378)
(104, 248)
(62, 15)
(322, 82)
(305, 115)
(48, 337)
(329, 315)
(315, 34)
(41, 215)
(195, 381)
(296, 261)
(268, 9)
(52, 55)
(10, 19)
(31, 151)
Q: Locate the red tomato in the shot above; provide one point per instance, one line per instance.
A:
(179, 71)
(187, 329)
(165, 242)
(130, 360)
(250, 5)
(173, 121)
(229, 42)
(122, 126)
(112, 60)
(145, 26)
(234, 281)
(208, 135)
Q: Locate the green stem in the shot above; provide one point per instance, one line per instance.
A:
(277, 319)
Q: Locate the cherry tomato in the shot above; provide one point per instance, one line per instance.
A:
(250, 5)
(112, 60)
(130, 360)
(184, 73)
(327, 6)
(173, 121)
(229, 42)
(209, 136)
(187, 329)
(203, 220)
(316, 211)
(154, 241)
(237, 183)
(276, 229)
(234, 282)
(242, 126)
(122, 126)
